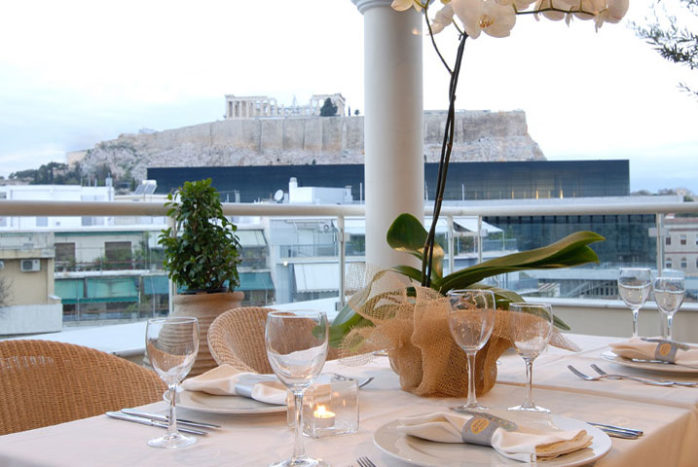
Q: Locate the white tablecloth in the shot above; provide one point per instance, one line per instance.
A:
(669, 418)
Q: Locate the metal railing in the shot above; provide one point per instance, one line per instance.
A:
(341, 212)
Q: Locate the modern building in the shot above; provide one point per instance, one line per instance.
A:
(466, 180)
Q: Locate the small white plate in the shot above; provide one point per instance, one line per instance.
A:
(231, 405)
(649, 366)
(419, 451)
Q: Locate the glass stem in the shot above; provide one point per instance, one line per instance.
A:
(172, 420)
(636, 313)
(472, 399)
(529, 377)
(669, 319)
(298, 447)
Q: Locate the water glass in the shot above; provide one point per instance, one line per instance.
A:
(669, 293)
(532, 325)
(634, 287)
(471, 320)
(296, 343)
(172, 344)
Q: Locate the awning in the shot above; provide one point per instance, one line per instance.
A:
(251, 238)
(255, 281)
(318, 277)
(469, 223)
(112, 289)
(70, 290)
(156, 285)
(97, 290)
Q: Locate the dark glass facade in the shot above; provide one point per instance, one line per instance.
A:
(466, 180)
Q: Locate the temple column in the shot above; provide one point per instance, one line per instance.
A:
(393, 124)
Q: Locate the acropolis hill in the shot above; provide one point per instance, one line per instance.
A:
(242, 140)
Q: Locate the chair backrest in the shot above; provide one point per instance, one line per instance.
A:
(44, 383)
(236, 338)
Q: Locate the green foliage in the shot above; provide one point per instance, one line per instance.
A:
(407, 234)
(202, 251)
(672, 40)
(328, 109)
(53, 173)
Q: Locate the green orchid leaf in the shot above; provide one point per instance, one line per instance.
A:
(572, 250)
(407, 234)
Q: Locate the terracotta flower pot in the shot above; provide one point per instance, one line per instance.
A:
(205, 307)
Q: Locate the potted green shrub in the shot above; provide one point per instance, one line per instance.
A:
(202, 253)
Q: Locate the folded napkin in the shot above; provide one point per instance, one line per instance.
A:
(225, 380)
(508, 439)
(644, 348)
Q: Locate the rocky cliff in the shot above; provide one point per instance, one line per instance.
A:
(480, 136)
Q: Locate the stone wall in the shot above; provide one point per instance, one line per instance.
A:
(480, 136)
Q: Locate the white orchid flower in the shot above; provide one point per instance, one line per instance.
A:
(443, 18)
(484, 15)
(590, 9)
(403, 5)
(551, 15)
(613, 13)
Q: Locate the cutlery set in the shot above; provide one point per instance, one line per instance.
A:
(651, 381)
(161, 421)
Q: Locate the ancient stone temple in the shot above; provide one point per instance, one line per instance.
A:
(237, 107)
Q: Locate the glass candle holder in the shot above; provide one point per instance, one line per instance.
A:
(330, 407)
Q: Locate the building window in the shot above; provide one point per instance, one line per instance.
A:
(118, 255)
(684, 263)
(683, 239)
(65, 253)
(667, 241)
(668, 263)
(42, 221)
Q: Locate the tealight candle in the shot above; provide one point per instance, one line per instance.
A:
(322, 417)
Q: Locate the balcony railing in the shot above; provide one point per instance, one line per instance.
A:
(474, 248)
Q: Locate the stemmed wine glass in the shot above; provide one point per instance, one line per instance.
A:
(471, 320)
(296, 344)
(172, 344)
(531, 327)
(634, 286)
(669, 293)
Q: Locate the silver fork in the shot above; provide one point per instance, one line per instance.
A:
(668, 382)
(365, 462)
(607, 376)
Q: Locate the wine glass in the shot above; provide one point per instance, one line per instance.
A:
(531, 327)
(172, 344)
(669, 293)
(296, 343)
(634, 286)
(471, 320)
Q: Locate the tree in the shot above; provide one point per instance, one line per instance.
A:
(4, 291)
(328, 109)
(672, 39)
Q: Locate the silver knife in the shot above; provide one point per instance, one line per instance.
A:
(165, 418)
(616, 427)
(151, 422)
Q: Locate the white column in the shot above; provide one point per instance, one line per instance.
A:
(393, 128)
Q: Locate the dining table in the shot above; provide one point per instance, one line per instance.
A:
(667, 416)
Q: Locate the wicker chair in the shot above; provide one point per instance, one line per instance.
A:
(44, 383)
(236, 338)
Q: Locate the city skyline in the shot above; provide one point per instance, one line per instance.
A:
(76, 78)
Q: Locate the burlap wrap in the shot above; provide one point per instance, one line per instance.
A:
(415, 332)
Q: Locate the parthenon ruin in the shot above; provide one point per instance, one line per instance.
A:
(237, 107)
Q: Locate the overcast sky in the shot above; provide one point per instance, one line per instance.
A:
(73, 73)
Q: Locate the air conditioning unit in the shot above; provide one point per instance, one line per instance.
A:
(30, 265)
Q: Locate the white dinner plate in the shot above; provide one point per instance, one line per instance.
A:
(658, 367)
(231, 405)
(427, 453)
